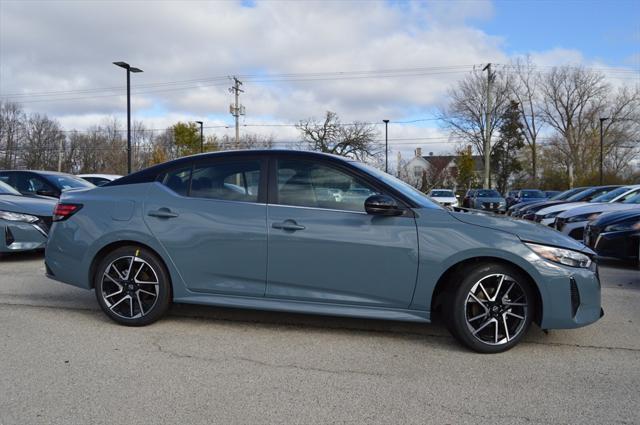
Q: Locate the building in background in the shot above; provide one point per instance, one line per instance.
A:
(435, 171)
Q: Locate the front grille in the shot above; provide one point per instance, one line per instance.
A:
(490, 205)
(575, 297)
(559, 223)
(590, 236)
(537, 218)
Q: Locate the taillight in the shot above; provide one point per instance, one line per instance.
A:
(64, 211)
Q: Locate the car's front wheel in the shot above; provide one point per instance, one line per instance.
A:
(132, 286)
(491, 309)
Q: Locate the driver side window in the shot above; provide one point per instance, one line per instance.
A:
(308, 184)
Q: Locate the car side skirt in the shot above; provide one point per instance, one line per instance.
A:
(305, 307)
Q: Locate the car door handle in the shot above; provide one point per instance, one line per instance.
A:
(288, 225)
(162, 213)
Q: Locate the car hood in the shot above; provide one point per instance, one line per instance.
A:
(27, 205)
(492, 200)
(616, 216)
(539, 205)
(525, 230)
(444, 199)
(560, 207)
(599, 207)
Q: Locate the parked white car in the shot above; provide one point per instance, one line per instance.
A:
(99, 179)
(445, 197)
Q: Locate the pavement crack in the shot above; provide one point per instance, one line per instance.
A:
(179, 355)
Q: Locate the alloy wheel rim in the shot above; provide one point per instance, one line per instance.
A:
(130, 287)
(496, 309)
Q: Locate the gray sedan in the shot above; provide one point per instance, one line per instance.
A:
(264, 230)
(488, 200)
(24, 221)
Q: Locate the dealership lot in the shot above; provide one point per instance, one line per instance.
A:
(63, 361)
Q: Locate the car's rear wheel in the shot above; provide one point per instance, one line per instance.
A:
(491, 309)
(132, 286)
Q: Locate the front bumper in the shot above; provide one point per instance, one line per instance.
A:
(17, 236)
(574, 297)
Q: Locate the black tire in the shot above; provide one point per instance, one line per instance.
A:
(465, 314)
(114, 274)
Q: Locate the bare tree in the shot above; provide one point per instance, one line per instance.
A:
(572, 98)
(11, 133)
(466, 112)
(525, 89)
(355, 140)
(43, 140)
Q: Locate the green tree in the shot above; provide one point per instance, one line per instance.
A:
(187, 138)
(465, 169)
(504, 155)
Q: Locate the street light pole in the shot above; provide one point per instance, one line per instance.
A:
(201, 137)
(386, 145)
(129, 69)
(602, 120)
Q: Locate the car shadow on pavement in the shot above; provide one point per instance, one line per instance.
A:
(21, 256)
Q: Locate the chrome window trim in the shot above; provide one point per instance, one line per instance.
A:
(317, 208)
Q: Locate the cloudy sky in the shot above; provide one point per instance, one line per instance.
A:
(365, 60)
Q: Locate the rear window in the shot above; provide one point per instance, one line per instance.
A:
(442, 194)
(177, 180)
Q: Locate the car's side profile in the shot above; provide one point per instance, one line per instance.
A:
(314, 233)
(49, 184)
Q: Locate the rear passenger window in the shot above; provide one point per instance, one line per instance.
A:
(235, 181)
(178, 180)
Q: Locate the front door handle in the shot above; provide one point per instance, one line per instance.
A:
(162, 213)
(288, 225)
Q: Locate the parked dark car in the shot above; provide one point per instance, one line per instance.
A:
(24, 221)
(519, 210)
(488, 200)
(552, 193)
(526, 196)
(42, 183)
(263, 230)
(615, 234)
(466, 201)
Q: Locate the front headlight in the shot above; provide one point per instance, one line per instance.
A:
(582, 217)
(624, 226)
(562, 256)
(11, 216)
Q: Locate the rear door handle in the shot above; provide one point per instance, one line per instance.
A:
(162, 213)
(288, 225)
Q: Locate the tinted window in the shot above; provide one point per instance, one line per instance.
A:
(29, 183)
(63, 182)
(442, 194)
(528, 194)
(308, 184)
(178, 180)
(633, 200)
(488, 194)
(98, 181)
(235, 181)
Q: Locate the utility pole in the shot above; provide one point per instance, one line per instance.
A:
(602, 120)
(487, 130)
(60, 154)
(236, 109)
(201, 136)
(386, 145)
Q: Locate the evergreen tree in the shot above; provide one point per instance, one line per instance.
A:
(504, 155)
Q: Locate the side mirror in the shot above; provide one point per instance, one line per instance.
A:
(382, 205)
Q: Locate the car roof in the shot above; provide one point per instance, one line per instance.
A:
(152, 172)
(106, 176)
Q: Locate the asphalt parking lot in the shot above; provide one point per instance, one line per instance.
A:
(63, 362)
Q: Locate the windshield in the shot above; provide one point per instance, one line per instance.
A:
(63, 182)
(442, 194)
(406, 189)
(633, 200)
(611, 195)
(5, 189)
(488, 194)
(566, 194)
(530, 194)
